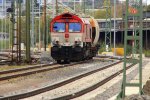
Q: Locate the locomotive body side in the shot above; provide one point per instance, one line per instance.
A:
(71, 38)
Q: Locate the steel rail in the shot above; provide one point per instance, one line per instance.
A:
(82, 92)
(57, 85)
(25, 68)
(4, 62)
(37, 70)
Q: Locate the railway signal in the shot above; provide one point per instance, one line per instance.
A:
(134, 10)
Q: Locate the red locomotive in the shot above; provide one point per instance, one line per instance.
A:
(73, 38)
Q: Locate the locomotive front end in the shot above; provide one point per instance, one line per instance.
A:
(66, 37)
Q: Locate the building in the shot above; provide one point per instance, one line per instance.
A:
(71, 1)
(4, 4)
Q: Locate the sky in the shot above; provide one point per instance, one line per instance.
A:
(148, 1)
(144, 1)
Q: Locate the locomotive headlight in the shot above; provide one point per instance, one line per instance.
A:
(55, 41)
(77, 41)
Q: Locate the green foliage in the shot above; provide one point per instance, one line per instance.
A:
(119, 45)
(147, 53)
(102, 47)
(129, 49)
(5, 25)
(106, 3)
(108, 10)
(4, 44)
(148, 8)
(100, 14)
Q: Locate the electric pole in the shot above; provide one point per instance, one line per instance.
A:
(28, 57)
(45, 25)
(56, 7)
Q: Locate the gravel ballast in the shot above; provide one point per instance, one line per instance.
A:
(32, 82)
(137, 97)
(116, 88)
(146, 88)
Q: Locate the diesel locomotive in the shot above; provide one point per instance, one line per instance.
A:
(73, 38)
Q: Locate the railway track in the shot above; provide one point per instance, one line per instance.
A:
(19, 72)
(24, 69)
(89, 89)
(14, 73)
(54, 86)
(4, 62)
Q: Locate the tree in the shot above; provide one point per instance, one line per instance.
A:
(148, 8)
(100, 14)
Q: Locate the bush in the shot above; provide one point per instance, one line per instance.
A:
(147, 53)
(102, 47)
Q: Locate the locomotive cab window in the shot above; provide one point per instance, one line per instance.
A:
(74, 27)
(59, 27)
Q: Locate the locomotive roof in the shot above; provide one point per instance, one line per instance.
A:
(71, 16)
(86, 20)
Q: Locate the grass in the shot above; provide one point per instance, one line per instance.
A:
(102, 47)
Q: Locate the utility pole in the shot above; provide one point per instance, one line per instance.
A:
(54, 11)
(32, 21)
(93, 7)
(45, 25)
(74, 6)
(39, 25)
(108, 27)
(15, 35)
(84, 5)
(114, 27)
(19, 33)
(13, 24)
(56, 7)
(28, 57)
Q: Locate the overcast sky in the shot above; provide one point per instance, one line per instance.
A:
(144, 1)
(148, 1)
